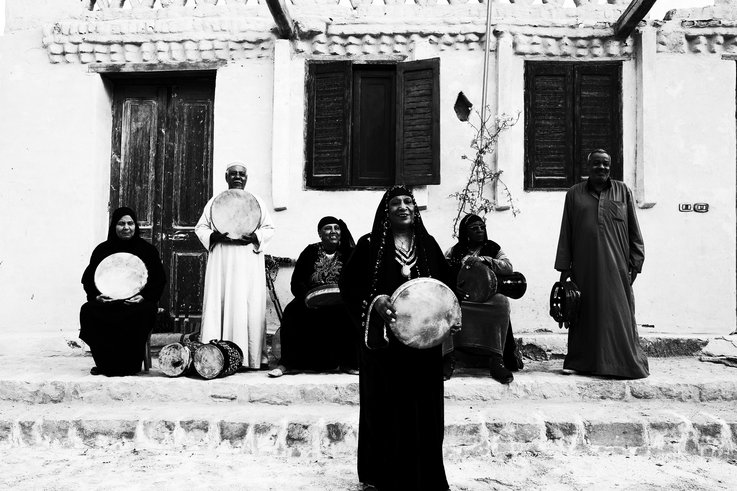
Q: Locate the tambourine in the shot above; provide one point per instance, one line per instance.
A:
(426, 309)
(120, 276)
(565, 303)
(323, 296)
(235, 212)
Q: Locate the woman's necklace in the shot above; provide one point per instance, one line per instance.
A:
(404, 254)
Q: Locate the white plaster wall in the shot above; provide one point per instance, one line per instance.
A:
(54, 174)
(688, 281)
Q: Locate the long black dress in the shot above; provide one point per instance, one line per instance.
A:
(323, 338)
(116, 332)
(401, 427)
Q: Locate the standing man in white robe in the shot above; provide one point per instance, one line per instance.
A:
(234, 305)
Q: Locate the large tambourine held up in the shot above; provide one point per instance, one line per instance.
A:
(235, 212)
(120, 276)
(426, 309)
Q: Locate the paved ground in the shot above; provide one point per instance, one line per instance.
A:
(61, 469)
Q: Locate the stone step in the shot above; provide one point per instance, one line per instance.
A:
(330, 430)
(67, 380)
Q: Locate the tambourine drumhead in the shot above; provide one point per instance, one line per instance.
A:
(322, 296)
(209, 360)
(120, 275)
(477, 281)
(175, 359)
(235, 212)
(426, 310)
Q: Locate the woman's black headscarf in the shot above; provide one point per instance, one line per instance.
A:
(136, 246)
(346, 239)
(382, 248)
(462, 248)
(465, 222)
(115, 218)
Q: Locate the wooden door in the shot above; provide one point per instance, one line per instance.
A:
(161, 166)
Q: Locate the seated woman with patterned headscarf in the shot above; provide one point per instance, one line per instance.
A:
(320, 336)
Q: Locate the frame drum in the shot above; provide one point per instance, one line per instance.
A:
(477, 282)
(323, 296)
(426, 310)
(235, 212)
(120, 275)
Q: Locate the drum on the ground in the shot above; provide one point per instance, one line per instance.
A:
(175, 359)
(323, 296)
(120, 276)
(426, 309)
(477, 282)
(217, 359)
(235, 212)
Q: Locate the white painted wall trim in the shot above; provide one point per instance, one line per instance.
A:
(646, 146)
(281, 125)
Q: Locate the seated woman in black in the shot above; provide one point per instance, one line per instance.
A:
(321, 338)
(116, 330)
(487, 330)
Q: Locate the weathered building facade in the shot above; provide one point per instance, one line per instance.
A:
(144, 103)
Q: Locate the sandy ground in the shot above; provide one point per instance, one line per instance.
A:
(61, 469)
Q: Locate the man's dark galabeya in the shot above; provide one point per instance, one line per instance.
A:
(601, 249)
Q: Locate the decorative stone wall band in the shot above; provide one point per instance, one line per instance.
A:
(721, 41)
(163, 4)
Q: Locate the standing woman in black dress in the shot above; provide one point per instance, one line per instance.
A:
(400, 441)
(116, 330)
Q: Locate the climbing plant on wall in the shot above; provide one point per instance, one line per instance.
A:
(477, 195)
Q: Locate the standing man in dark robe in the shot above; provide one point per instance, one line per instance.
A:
(601, 249)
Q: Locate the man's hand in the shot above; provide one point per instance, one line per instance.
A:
(104, 298)
(134, 299)
(633, 275)
(385, 308)
(248, 239)
(216, 238)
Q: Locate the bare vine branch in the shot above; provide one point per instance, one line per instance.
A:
(471, 198)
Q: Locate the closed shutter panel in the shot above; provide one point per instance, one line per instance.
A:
(598, 114)
(418, 122)
(548, 126)
(329, 116)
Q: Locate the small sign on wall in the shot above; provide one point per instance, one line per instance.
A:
(697, 207)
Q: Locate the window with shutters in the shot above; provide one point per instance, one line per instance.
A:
(373, 124)
(571, 108)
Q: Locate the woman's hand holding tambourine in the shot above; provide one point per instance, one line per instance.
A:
(134, 299)
(385, 308)
(104, 298)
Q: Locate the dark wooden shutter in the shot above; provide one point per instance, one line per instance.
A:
(373, 139)
(328, 124)
(548, 126)
(598, 114)
(418, 122)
